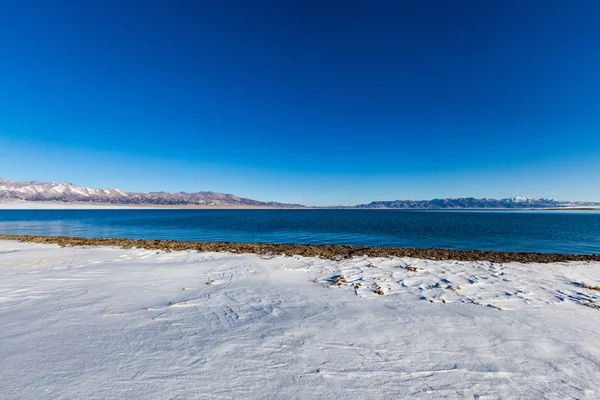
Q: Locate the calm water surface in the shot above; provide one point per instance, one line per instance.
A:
(539, 231)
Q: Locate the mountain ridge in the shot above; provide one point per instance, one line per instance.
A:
(67, 192)
(518, 202)
(70, 193)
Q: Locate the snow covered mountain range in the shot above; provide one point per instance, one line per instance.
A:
(35, 191)
(64, 192)
(470, 202)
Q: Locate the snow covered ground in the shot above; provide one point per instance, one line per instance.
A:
(106, 323)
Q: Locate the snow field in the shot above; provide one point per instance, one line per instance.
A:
(107, 323)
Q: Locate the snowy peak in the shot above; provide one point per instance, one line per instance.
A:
(523, 199)
(45, 189)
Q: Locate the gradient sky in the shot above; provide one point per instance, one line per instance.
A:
(300, 101)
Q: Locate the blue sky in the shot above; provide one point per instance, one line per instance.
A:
(300, 101)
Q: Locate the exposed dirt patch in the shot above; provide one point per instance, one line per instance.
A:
(592, 287)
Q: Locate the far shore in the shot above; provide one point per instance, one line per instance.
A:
(309, 250)
(574, 209)
(54, 205)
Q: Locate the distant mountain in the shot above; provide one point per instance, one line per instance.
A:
(64, 192)
(71, 193)
(471, 203)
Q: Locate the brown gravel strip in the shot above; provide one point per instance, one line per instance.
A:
(309, 250)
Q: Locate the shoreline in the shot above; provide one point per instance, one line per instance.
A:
(309, 250)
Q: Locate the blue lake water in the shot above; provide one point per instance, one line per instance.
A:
(539, 231)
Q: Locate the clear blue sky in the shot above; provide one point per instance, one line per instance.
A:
(301, 101)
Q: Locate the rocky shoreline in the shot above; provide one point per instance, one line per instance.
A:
(309, 250)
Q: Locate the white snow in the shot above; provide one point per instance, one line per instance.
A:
(105, 323)
(523, 199)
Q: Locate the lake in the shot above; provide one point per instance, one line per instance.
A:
(537, 231)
